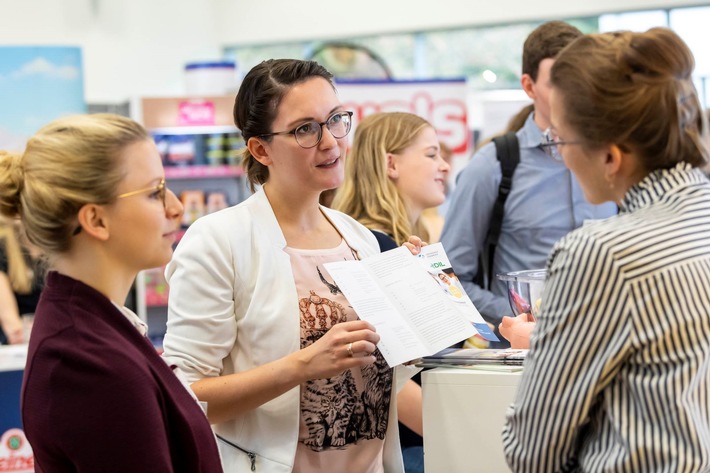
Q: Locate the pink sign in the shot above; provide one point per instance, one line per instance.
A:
(196, 112)
(442, 103)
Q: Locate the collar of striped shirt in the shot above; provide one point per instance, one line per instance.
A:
(657, 183)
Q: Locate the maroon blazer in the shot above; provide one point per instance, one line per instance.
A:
(97, 397)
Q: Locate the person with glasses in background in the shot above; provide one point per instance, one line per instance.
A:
(96, 395)
(545, 201)
(293, 381)
(618, 376)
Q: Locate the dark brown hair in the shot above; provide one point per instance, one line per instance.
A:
(258, 99)
(545, 42)
(634, 90)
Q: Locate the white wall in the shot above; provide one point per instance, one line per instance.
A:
(273, 21)
(130, 47)
(139, 47)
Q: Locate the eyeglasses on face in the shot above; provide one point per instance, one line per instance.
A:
(551, 143)
(309, 134)
(160, 190)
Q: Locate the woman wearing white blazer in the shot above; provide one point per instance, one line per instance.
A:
(292, 379)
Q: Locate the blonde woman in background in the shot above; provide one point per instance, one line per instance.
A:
(393, 172)
(20, 281)
(96, 396)
(433, 217)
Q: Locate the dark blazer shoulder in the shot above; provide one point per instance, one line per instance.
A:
(385, 241)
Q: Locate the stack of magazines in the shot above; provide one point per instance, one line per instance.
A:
(474, 357)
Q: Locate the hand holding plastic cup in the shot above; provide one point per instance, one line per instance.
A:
(524, 289)
(517, 330)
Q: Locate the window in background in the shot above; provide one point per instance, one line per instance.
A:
(346, 60)
(489, 57)
(633, 21)
(247, 57)
(396, 50)
(692, 24)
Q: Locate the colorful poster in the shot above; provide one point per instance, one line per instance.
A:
(37, 85)
(441, 102)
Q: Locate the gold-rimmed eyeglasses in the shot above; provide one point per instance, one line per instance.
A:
(309, 134)
(551, 142)
(160, 190)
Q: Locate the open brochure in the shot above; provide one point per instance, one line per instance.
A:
(396, 293)
(434, 259)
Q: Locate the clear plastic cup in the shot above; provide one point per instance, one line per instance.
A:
(524, 289)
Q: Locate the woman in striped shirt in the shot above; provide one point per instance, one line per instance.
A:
(618, 373)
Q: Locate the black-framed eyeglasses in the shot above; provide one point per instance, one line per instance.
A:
(160, 190)
(309, 134)
(551, 143)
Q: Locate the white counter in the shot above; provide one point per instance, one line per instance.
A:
(13, 357)
(464, 413)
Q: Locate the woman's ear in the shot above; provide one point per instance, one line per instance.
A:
(613, 163)
(392, 171)
(93, 221)
(259, 151)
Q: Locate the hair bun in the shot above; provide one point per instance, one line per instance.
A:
(11, 181)
(646, 59)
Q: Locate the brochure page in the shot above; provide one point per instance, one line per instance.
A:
(434, 259)
(395, 293)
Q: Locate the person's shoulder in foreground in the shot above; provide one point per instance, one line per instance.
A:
(96, 396)
(617, 335)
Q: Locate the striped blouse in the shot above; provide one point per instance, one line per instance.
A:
(618, 374)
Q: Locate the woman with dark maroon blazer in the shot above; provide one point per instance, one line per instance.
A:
(90, 191)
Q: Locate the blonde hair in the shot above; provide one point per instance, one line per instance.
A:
(17, 269)
(634, 90)
(67, 164)
(368, 194)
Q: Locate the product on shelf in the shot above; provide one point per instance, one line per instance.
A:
(193, 202)
(216, 201)
(213, 149)
(235, 145)
(201, 151)
(162, 142)
(156, 288)
(216, 157)
(181, 150)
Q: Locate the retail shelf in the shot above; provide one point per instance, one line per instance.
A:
(201, 171)
(150, 303)
(194, 130)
